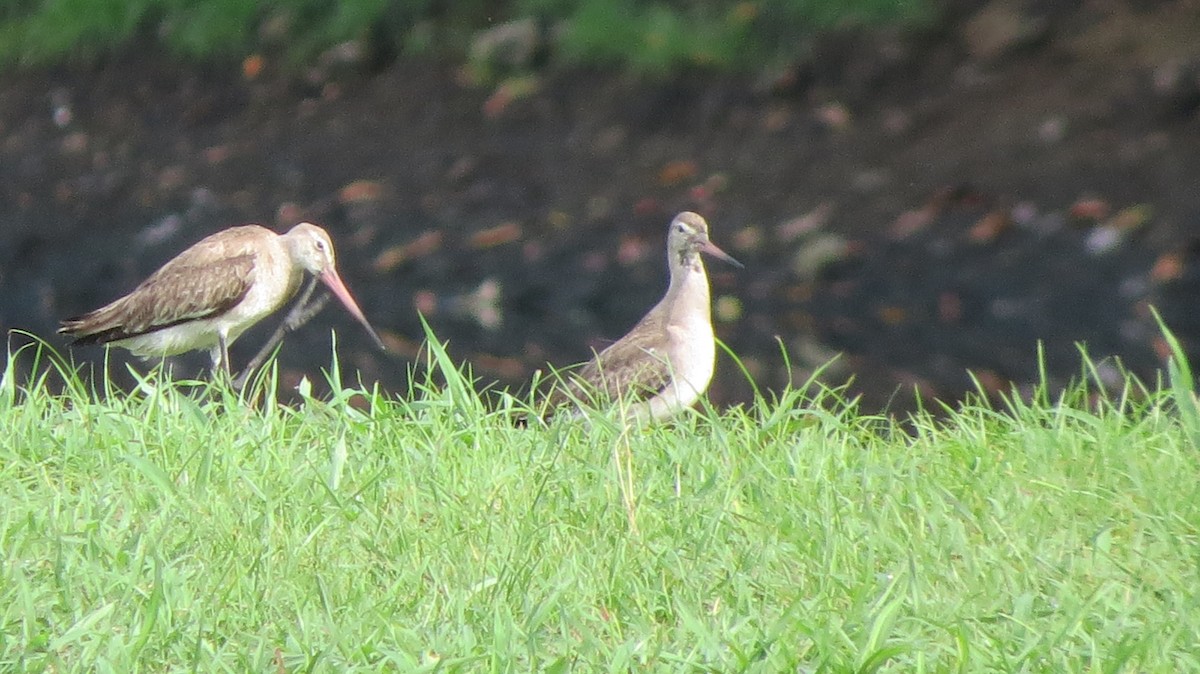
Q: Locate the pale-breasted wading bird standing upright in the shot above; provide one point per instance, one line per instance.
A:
(665, 362)
(206, 296)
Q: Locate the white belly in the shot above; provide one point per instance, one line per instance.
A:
(692, 357)
(260, 301)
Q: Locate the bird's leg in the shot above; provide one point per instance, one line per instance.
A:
(223, 356)
(300, 313)
(303, 313)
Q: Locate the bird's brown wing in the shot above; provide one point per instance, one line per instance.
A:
(632, 369)
(201, 282)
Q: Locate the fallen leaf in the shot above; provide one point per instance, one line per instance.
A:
(172, 177)
(989, 227)
(425, 302)
(991, 381)
(646, 206)
(911, 222)
(428, 242)
(676, 172)
(804, 224)
(360, 191)
(1168, 267)
(776, 118)
(834, 115)
(288, 213)
(502, 366)
(1130, 219)
(216, 154)
(398, 345)
(892, 315)
(253, 66)
(505, 232)
(1090, 209)
(817, 253)
(1162, 349)
(949, 307)
(509, 91)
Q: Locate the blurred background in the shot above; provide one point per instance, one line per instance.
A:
(927, 188)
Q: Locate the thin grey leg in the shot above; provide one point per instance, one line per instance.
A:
(300, 313)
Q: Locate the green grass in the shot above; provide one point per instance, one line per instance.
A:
(177, 528)
(643, 35)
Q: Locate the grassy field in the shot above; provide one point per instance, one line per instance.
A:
(643, 35)
(178, 528)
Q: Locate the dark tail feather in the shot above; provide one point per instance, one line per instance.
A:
(77, 328)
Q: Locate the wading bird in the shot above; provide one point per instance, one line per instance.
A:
(665, 362)
(206, 296)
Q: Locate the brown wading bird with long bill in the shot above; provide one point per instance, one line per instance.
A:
(665, 362)
(205, 297)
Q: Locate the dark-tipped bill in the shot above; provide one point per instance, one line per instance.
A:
(330, 278)
(711, 248)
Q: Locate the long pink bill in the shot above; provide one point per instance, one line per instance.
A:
(330, 278)
(711, 248)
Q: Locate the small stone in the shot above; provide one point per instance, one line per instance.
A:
(1103, 239)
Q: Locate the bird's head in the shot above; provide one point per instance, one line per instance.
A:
(688, 235)
(311, 248)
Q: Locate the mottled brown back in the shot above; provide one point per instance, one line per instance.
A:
(627, 370)
(203, 281)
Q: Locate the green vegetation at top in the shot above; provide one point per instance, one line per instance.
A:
(180, 528)
(641, 34)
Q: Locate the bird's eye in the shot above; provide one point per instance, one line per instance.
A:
(680, 228)
(320, 245)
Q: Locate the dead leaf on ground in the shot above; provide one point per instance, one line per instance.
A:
(676, 172)
(428, 242)
(991, 381)
(360, 191)
(1090, 209)
(426, 302)
(646, 206)
(989, 227)
(911, 222)
(253, 66)
(892, 315)
(1168, 267)
(809, 222)
(502, 366)
(216, 154)
(834, 115)
(1131, 218)
(399, 345)
(505, 232)
(949, 307)
(509, 91)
